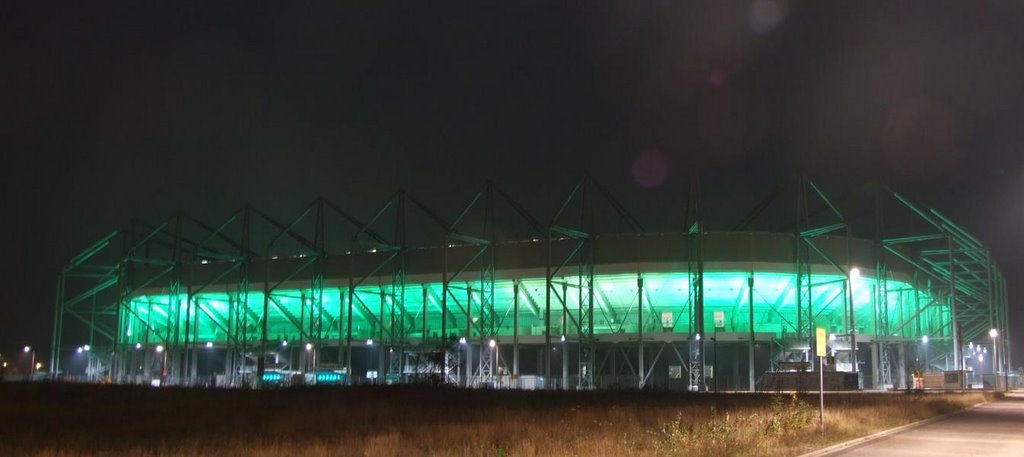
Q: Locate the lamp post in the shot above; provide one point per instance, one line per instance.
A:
(494, 361)
(924, 346)
(163, 364)
(995, 356)
(88, 360)
(32, 363)
(310, 364)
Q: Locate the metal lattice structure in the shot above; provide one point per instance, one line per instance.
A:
(497, 298)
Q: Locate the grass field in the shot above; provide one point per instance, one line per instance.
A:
(43, 419)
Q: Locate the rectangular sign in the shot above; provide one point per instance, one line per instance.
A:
(719, 319)
(822, 338)
(667, 320)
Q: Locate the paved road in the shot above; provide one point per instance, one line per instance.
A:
(989, 430)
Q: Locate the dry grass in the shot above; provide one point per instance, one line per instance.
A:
(87, 420)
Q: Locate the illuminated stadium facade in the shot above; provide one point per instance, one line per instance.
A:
(559, 305)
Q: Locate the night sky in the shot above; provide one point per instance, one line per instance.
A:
(109, 112)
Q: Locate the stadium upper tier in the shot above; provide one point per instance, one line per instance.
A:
(742, 271)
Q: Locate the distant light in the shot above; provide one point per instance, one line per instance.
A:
(855, 273)
(26, 349)
(209, 344)
(492, 343)
(924, 339)
(993, 333)
(765, 15)
(204, 261)
(698, 337)
(5, 364)
(369, 341)
(138, 345)
(832, 337)
(79, 350)
(86, 347)
(717, 78)
(159, 348)
(981, 357)
(309, 346)
(391, 350)
(563, 338)
(971, 345)
(39, 365)
(284, 343)
(462, 340)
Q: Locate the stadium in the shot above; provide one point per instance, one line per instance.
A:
(493, 297)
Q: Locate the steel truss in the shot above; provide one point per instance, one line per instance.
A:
(332, 299)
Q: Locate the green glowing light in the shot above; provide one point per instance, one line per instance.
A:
(666, 299)
(329, 377)
(272, 377)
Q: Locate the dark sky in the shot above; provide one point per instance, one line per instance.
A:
(115, 111)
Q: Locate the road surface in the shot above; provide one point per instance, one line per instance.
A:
(990, 430)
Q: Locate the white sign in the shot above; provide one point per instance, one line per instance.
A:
(719, 319)
(667, 319)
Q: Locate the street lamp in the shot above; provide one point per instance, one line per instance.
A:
(88, 358)
(924, 345)
(494, 360)
(163, 363)
(996, 365)
(309, 358)
(32, 364)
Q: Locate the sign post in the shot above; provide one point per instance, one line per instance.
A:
(719, 323)
(821, 349)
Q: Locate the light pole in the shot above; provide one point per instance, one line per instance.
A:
(995, 356)
(88, 360)
(32, 363)
(924, 344)
(163, 364)
(494, 359)
(310, 364)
